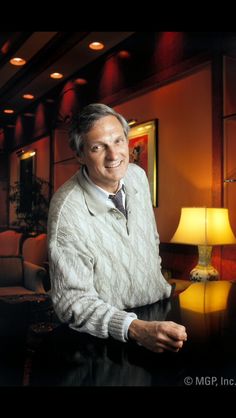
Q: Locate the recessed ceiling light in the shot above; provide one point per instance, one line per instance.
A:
(96, 46)
(28, 96)
(56, 75)
(8, 111)
(18, 61)
(27, 154)
(81, 81)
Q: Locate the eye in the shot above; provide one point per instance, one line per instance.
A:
(97, 147)
(120, 140)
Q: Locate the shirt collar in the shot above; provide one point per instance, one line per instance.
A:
(100, 190)
(96, 201)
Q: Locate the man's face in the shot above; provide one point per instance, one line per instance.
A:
(106, 153)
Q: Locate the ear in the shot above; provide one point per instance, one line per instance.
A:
(80, 158)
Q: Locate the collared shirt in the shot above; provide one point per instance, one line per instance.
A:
(103, 193)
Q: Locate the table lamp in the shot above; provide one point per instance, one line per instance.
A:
(204, 227)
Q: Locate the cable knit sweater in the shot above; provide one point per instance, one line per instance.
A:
(101, 263)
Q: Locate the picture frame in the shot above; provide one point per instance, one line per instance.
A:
(26, 175)
(143, 151)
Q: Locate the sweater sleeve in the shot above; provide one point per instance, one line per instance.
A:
(75, 299)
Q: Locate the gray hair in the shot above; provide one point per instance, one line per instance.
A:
(85, 121)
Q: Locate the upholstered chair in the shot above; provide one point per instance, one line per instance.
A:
(34, 249)
(10, 242)
(24, 274)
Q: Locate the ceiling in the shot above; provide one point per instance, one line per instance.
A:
(45, 52)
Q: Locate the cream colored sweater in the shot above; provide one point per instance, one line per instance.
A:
(100, 263)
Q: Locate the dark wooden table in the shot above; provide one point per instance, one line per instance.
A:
(18, 315)
(208, 310)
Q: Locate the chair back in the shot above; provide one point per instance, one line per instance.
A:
(34, 249)
(10, 242)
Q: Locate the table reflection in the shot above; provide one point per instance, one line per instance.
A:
(204, 310)
(206, 297)
(69, 358)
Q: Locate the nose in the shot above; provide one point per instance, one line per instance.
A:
(111, 153)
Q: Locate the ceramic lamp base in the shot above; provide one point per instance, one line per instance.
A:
(204, 271)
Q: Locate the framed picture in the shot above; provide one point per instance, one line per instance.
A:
(27, 173)
(143, 151)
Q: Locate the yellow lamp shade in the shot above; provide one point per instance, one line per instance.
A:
(204, 226)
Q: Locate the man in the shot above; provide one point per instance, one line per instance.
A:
(105, 260)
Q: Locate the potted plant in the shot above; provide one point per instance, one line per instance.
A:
(31, 201)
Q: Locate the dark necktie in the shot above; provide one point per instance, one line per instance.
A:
(118, 201)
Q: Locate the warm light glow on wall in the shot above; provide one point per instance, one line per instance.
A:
(123, 54)
(81, 81)
(28, 96)
(96, 46)
(18, 61)
(56, 75)
(112, 77)
(5, 48)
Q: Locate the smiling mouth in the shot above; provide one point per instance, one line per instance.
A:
(114, 165)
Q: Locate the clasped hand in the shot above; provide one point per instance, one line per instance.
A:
(158, 336)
